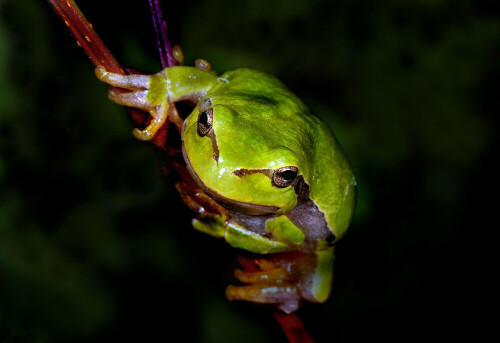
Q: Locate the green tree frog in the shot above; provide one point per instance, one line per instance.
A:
(272, 178)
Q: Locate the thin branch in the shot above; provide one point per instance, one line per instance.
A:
(99, 54)
(85, 35)
(164, 46)
(292, 327)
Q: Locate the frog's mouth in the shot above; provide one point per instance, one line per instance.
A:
(229, 204)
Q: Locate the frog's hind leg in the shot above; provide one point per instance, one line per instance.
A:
(269, 285)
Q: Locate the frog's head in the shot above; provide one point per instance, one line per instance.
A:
(246, 145)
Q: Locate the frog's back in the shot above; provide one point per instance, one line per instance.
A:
(290, 123)
(333, 186)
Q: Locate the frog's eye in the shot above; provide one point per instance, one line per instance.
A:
(285, 176)
(205, 121)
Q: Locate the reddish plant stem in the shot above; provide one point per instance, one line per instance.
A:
(85, 35)
(99, 54)
(293, 327)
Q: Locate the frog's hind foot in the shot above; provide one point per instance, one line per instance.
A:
(269, 284)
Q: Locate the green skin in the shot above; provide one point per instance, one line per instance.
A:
(259, 126)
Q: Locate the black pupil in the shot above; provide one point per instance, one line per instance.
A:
(288, 175)
(203, 119)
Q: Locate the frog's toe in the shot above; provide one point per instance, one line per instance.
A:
(135, 99)
(131, 82)
(277, 275)
(159, 115)
(284, 296)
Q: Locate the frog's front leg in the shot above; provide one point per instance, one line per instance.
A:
(147, 93)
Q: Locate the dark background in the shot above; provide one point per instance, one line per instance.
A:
(95, 244)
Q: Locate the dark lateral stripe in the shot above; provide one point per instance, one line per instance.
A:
(243, 172)
(215, 147)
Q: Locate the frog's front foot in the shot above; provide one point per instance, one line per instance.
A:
(269, 283)
(139, 96)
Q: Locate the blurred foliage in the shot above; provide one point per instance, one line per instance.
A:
(96, 245)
